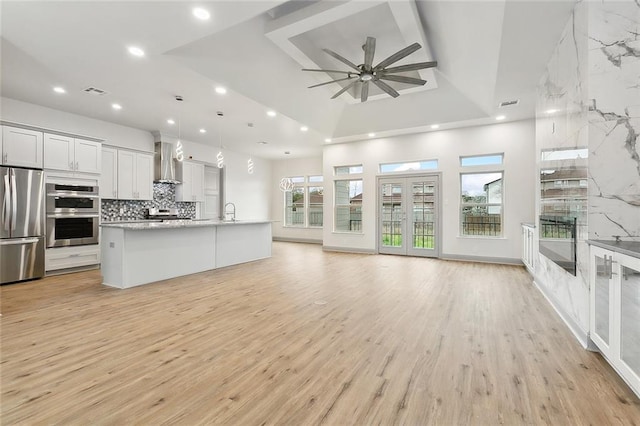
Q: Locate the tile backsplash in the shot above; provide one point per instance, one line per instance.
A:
(164, 196)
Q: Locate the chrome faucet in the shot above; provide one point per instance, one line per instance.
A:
(232, 213)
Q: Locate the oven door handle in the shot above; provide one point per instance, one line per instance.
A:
(72, 195)
(71, 215)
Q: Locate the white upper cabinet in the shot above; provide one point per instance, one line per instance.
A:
(21, 147)
(135, 175)
(71, 154)
(109, 176)
(191, 187)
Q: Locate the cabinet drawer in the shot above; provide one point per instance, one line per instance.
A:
(72, 257)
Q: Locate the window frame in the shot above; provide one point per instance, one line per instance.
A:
(355, 178)
(486, 204)
(304, 183)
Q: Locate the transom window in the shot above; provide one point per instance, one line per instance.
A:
(348, 170)
(408, 166)
(481, 160)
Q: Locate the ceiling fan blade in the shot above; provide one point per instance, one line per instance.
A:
(369, 51)
(341, 59)
(364, 93)
(341, 72)
(384, 86)
(410, 67)
(402, 79)
(344, 89)
(398, 55)
(329, 82)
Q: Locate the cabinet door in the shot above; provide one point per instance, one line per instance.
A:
(184, 190)
(197, 182)
(601, 298)
(126, 174)
(144, 176)
(629, 312)
(58, 152)
(21, 147)
(109, 176)
(88, 156)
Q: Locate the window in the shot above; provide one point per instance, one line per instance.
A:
(481, 160)
(348, 205)
(409, 166)
(303, 206)
(348, 170)
(481, 203)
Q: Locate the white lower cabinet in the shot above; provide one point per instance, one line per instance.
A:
(59, 258)
(615, 311)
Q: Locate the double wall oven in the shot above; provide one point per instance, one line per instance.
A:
(73, 215)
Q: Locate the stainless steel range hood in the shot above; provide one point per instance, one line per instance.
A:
(164, 163)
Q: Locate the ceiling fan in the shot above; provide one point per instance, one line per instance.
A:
(366, 72)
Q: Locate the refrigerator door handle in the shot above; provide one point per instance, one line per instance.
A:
(17, 241)
(14, 200)
(6, 203)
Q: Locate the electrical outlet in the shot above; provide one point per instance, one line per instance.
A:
(112, 245)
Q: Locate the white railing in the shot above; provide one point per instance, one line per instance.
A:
(528, 248)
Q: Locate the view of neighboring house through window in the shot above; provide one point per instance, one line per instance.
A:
(481, 197)
(348, 204)
(306, 197)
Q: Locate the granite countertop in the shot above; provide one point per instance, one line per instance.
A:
(630, 248)
(172, 224)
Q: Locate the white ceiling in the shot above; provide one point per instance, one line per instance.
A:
(487, 52)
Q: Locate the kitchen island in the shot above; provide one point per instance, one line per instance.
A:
(140, 253)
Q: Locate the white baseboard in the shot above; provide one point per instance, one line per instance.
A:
(482, 259)
(348, 250)
(297, 240)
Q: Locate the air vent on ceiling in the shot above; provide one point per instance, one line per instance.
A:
(95, 91)
(509, 103)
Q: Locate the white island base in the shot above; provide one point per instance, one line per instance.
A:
(142, 253)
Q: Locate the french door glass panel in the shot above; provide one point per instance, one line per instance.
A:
(392, 215)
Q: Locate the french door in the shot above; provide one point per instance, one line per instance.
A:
(408, 216)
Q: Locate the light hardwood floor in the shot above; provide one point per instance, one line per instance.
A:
(305, 337)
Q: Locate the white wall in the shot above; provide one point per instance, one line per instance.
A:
(516, 140)
(288, 168)
(39, 116)
(250, 193)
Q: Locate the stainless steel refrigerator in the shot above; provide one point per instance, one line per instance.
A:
(22, 224)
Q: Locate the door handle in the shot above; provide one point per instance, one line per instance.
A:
(6, 203)
(77, 166)
(14, 200)
(18, 241)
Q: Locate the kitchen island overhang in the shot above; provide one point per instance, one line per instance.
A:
(134, 254)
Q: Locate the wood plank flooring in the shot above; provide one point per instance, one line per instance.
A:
(305, 337)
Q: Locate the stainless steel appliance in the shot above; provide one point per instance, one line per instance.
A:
(162, 214)
(22, 225)
(73, 215)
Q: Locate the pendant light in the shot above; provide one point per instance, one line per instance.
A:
(179, 149)
(250, 166)
(220, 157)
(286, 183)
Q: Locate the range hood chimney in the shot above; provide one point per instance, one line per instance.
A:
(164, 164)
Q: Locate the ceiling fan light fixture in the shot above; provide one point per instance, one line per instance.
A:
(366, 77)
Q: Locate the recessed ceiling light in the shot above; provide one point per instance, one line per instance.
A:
(136, 51)
(287, 152)
(262, 143)
(500, 117)
(371, 135)
(170, 121)
(271, 113)
(203, 131)
(59, 89)
(327, 140)
(551, 111)
(221, 90)
(304, 128)
(116, 106)
(201, 13)
(435, 126)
